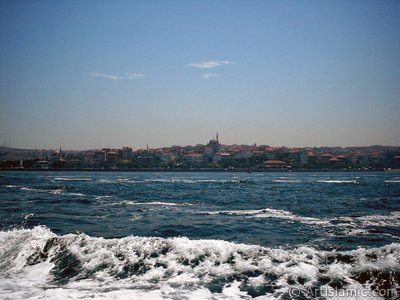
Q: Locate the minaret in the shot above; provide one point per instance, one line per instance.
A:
(217, 138)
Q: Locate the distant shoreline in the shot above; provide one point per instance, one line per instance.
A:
(199, 170)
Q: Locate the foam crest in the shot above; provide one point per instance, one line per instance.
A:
(351, 225)
(286, 181)
(72, 178)
(102, 197)
(24, 188)
(271, 213)
(191, 181)
(337, 181)
(393, 219)
(36, 263)
(54, 190)
(130, 202)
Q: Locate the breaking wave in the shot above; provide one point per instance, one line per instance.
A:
(175, 181)
(37, 263)
(353, 225)
(130, 202)
(271, 213)
(72, 178)
(337, 181)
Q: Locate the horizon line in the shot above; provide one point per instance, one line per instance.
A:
(155, 148)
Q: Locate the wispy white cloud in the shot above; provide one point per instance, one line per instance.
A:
(106, 76)
(209, 75)
(130, 76)
(134, 75)
(211, 64)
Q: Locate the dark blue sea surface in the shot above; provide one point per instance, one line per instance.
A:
(206, 235)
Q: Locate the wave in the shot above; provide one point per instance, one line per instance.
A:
(54, 190)
(161, 180)
(337, 181)
(354, 225)
(271, 213)
(72, 178)
(130, 202)
(102, 197)
(24, 188)
(50, 190)
(179, 180)
(77, 194)
(37, 263)
(391, 220)
(286, 181)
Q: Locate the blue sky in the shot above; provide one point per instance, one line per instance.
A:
(92, 74)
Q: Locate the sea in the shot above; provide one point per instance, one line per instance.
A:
(199, 235)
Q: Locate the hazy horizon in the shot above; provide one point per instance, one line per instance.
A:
(88, 75)
(200, 143)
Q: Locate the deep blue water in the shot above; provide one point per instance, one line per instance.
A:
(350, 209)
(319, 211)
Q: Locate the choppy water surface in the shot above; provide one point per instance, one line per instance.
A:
(198, 235)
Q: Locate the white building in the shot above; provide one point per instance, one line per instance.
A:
(221, 156)
(193, 158)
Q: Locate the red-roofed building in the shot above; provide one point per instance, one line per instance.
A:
(275, 164)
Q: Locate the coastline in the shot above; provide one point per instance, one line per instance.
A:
(241, 170)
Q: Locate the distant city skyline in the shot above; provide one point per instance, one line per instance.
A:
(89, 75)
(148, 147)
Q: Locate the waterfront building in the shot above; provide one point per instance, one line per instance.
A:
(275, 164)
(221, 157)
(193, 159)
(41, 165)
(112, 157)
(270, 154)
(214, 144)
(57, 156)
(126, 153)
(299, 157)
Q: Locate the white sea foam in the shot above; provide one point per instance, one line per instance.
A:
(123, 179)
(174, 181)
(50, 191)
(72, 178)
(24, 188)
(130, 202)
(11, 186)
(56, 192)
(77, 194)
(157, 203)
(356, 226)
(286, 181)
(106, 181)
(103, 197)
(350, 225)
(271, 213)
(191, 181)
(28, 216)
(393, 219)
(392, 181)
(337, 181)
(135, 217)
(37, 264)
